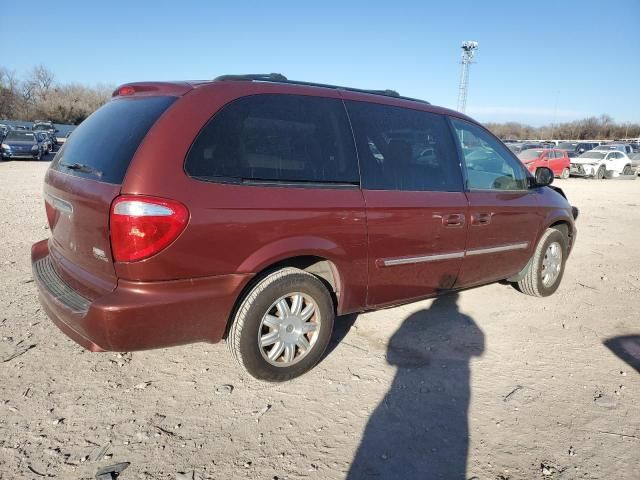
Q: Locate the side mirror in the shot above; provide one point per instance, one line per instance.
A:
(543, 177)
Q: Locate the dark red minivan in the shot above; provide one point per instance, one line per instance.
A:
(255, 209)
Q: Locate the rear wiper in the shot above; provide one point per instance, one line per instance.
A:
(82, 167)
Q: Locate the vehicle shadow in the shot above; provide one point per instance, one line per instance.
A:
(627, 348)
(420, 429)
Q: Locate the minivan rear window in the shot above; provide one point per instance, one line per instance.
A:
(276, 138)
(103, 145)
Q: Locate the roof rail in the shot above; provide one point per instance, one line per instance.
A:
(262, 77)
(279, 78)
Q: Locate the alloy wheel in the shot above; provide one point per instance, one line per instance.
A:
(289, 329)
(551, 264)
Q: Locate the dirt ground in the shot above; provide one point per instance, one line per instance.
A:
(490, 384)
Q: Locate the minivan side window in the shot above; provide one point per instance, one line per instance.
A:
(276, 138)
(404, 149)
(490, 165)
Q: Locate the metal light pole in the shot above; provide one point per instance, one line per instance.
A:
(469, 49)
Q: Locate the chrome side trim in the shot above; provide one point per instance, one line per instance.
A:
(501, 248)
(390, 262)
(424, 258)
(61, 205)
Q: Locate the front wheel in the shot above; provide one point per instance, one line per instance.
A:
(627, 170)
(282, 326)
(565, 174)
(600, 173)
(546, 268)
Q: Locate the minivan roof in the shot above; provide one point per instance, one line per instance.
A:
(182, 87)
(269, 83)
(279, 78)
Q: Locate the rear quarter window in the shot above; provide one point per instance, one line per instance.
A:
(107, 140)
(276, 138)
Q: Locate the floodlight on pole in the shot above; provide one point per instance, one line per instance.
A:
(469, 49)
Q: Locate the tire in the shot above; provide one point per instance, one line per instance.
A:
(627, 170)
(600, 173)
(565, 174)
(535, 281)
(39, 156)
(260, 315)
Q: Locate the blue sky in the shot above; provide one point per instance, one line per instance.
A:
(538, 61)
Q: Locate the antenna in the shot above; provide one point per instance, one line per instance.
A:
(469, 49)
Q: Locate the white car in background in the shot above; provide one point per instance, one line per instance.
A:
(599, 164)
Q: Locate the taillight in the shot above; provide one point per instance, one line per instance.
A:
(52, 214)
(142, 226)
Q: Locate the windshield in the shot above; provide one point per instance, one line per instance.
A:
(566, 146)
(20, 136)
(529, 154)
(592, 154)
(42, 126)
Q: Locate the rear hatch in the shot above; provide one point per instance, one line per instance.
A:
(81, 183)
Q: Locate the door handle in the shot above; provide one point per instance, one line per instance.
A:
(481, 219)
(453, 220)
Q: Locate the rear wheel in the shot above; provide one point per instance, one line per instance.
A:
(627, 170)
(600, 173)
(565, 173)
(546, 268)
(282, 326)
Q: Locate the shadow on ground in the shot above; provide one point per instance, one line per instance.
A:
(626, 348)
(420, 429)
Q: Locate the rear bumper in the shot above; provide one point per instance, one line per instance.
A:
(138, 315)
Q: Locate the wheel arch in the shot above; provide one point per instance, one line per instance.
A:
(567, 227)
(321, 267)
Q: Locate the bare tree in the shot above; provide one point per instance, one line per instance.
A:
(38, 95)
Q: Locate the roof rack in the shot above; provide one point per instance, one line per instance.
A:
(279, 78)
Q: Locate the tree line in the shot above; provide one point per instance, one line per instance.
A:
(596, 128)
(38, 96)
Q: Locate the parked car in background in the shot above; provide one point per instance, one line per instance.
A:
(569, 147)
(21, 144)
(45, 141)
(599, 164)
(20, 127)
(48, 127)
(635, 162)
(556, 160)
(255, 209)
(54, 140)
(585, 147)
(63, 137)
(622, 147)
(519, 147)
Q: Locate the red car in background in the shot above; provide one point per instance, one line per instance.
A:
(556, 160)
